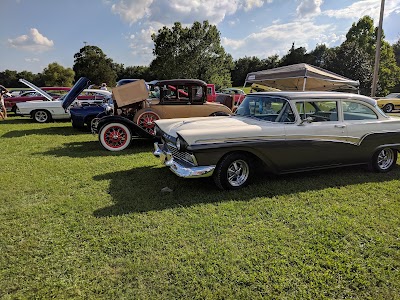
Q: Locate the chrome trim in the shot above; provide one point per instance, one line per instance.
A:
(184, 156)
(167, 159)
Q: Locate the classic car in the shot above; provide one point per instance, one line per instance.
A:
(238, 94)
(390, 102)
(179, 98)
(51, 109)
(283, 132)
(32, 95)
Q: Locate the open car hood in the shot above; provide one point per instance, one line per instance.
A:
(79, 86)
(39, 90)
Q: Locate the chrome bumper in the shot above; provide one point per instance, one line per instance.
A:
(166, 158)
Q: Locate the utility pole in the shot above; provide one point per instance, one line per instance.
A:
(378, 51)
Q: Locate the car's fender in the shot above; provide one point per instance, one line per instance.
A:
(135, 129)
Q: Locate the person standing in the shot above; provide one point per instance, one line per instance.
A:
(103, 86)
(3, 110)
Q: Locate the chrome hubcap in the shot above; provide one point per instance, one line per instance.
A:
(238, 172)
(385, 158)
(41, 116)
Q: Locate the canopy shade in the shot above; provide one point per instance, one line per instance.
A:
(302, 77)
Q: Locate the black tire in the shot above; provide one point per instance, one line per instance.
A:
(388, 108)
(41, 116)
(383, 160)
(115, 136)
(234, 171)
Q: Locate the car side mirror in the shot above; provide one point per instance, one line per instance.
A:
(308, 120)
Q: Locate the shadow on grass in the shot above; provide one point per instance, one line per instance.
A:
(139, 189)
(94, 149)
(64, 131)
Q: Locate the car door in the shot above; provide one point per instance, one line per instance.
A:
(360, 119)
(318, 139)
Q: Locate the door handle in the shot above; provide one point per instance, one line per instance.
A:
(340, 126)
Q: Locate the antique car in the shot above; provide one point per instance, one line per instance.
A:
(390, 102)
(237, 94)
(32, 95)
(283, 132)
(43, 111)
(179, 98)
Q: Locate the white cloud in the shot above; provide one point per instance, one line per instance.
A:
(363, 8)
(31, 59)
(250, 4)
(308, 8)
(167, 12)
(278, 38)
(142, 45)
(132, 10)
(34, 41)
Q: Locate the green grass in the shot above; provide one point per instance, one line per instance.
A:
(79, 222)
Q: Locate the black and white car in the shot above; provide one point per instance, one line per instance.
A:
(284, 132)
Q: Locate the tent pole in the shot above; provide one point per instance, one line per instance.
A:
(304, 83)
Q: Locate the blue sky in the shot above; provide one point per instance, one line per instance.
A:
(34, 33)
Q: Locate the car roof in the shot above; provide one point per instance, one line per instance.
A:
(316, 95)
(182, 82)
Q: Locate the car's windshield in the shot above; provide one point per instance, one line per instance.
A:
(266, 108)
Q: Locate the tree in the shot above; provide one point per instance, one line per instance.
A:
(317, 57)
(92, 63)
(9, 78)
(245, 65)
(140, 72)
(396, 50)
(294, 56)
(363, 33)
(194, 52)
(57, 75)
(351, 61)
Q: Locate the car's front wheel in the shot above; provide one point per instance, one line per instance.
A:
(233, 172)
(115, 136)
(41, 116)
(388, 108)
(383, 160)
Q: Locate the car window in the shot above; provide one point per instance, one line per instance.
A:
(357, 111)
(319, 111)
(266, 108)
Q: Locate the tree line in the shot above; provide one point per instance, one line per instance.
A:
(196, 52)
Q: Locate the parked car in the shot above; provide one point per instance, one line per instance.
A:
(82, 116)
(179, 98)
(238, 94)
(51, 109)
(283, 132)
(390, 102)
(32, 95)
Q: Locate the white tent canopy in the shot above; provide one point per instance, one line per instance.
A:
(302, 77)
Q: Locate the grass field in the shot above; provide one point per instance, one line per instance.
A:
(79, 222)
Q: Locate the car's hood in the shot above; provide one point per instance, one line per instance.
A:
(39, 90)
(212, 129)
(79, 86)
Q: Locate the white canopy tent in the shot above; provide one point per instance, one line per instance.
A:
(302, 77)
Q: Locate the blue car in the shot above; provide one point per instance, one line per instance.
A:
(81, 117)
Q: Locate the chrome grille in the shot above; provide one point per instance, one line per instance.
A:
(182, 156)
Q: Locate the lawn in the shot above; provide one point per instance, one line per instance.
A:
(79, 222)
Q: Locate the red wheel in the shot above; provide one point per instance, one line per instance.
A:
(115, 136)
(146, 121)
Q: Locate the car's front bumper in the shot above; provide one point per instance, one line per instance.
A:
(178, 168)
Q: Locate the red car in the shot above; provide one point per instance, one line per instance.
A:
(55, 92)
(238, 94)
